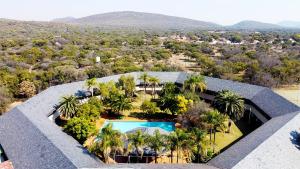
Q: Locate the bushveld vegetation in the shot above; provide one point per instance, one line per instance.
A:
(34, 56)
(194, 141)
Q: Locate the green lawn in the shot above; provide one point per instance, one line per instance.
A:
(224, 139)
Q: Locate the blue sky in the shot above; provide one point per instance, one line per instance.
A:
(219, 11)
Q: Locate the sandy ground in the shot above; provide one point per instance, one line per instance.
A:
(291, 93)
(182, 61)
(13, 105)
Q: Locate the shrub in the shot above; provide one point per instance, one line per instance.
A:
(98, 71)
(194, 116)
(149, 107)
(90, 110)
(80, 128)
(27, 89)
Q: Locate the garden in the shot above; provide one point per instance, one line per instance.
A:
(200, 130)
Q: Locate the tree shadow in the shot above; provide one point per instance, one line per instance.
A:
(295, 138)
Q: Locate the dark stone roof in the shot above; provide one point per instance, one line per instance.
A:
(26, 147)
(31, 140)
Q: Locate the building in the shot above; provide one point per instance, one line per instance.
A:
(31, 140)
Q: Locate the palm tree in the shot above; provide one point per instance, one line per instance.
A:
(108, 140)
(182, 141)
(231, 104)
(103, 142)
(172, 143)
(153, 81)
(119, 103)
(68, 106)
(156, 142)
(137, 140)
(145, 78)
(186, 145)
(117, 143)
(91, 83)
(128, 84)
(195, 82)
(198, 137)
(210, 118)
(215, 120)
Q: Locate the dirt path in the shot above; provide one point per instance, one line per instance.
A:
(182, 61)
(291, 93)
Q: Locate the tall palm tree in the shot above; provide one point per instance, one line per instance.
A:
(128, 84)
(68, 106)
(210, 118)
(153, 82)
(198, 137)
(186, 146)
(108, 141)
(90, 83)
(119, 103)
(172, 142)
(182, 142)
(195, 82)
(117, 143)
(145, 78)
(230, 103)
(105, 141)
(156, 142)
(137, 140)
(216, 121)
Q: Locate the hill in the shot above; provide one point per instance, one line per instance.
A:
(140, 20)
(62, 20)
(254, 25)
(290, 24)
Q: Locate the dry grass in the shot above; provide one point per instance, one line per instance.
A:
(291, 93)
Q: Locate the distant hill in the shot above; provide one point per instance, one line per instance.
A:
(290, 24)
(139, 20)
(255, 25)
(62, 20)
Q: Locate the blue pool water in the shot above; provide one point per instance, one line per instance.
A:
(125, 126)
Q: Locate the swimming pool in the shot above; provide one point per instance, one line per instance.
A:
(124, 126)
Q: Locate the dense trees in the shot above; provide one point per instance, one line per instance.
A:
(57, 56)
